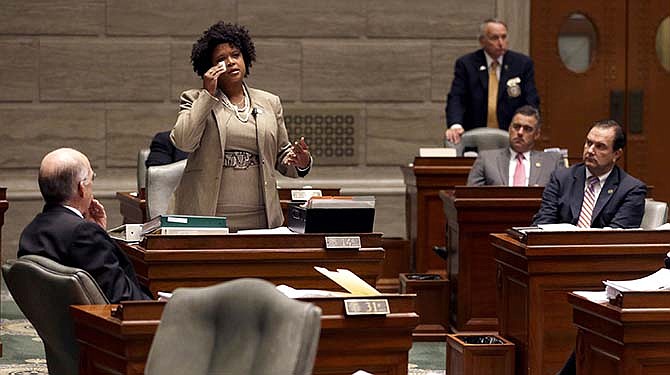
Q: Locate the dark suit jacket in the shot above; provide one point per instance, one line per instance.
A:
(163, 151)
(620, 203)
(59, 234)
(467, 101)
(492, 167)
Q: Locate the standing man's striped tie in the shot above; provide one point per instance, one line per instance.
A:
(588, 204)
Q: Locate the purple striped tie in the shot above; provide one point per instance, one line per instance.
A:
(588, 204)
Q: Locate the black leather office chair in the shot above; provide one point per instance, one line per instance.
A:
(44, 291)
(244, 326)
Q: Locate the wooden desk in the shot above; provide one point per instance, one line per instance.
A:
(426, 225)
(164, 263)
(472, 214)
(533, 277)
(616, 341)
(133, 206)
(4, 205)
(379, 345)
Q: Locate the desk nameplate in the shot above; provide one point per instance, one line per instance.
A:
(366, 307)
(343, 242)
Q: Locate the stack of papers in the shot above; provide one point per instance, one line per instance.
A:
(659, 280)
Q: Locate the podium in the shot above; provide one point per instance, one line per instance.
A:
(4, 205)
(118, 342)
(165, 262)
(618, 341)
(426, 225)
(534, 274)
(133, 206)
(472, 214)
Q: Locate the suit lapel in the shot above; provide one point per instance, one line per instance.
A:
(483, 74)
(261, 115)
(606, 192)
(504, 76)
(222, 118)
(580, 181)
(534, 168)
(503, 165)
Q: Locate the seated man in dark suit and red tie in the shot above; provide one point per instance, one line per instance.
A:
(519, 164)
(71, 228)
(595, 193)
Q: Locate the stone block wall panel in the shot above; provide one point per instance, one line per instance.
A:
(19, 70)
(131, 128)
(303, 19)
(52, 17)
(436, 19)
(366, 71)
(395, 132)
(92, 70)
(29, 132)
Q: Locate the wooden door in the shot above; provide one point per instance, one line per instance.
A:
(648, 86)
(624, 80)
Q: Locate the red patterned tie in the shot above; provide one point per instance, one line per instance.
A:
(588, 204)
(520, 171)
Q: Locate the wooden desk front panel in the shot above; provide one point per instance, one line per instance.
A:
(533, 283)
(427, 225)
(613, 341)
(379, 345)
(472, 214)
(167, 262)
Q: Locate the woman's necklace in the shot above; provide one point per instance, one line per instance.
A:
(242, 114)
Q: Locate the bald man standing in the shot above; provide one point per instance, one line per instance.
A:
(71, 228)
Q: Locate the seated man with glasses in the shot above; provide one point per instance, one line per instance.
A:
(519, 164)
(71, 228)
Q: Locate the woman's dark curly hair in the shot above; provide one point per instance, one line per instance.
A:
(222, 32)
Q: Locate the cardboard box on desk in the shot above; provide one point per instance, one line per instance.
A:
(336, 215)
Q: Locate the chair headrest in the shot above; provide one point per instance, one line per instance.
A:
(481, 139)
(162, 180)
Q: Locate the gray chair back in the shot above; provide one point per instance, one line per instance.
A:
(44, 291)
(244, 326)
(481, 139)
(655, 214)
(162, 180)
(142, 156)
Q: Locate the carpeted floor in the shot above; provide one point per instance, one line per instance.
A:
(23, 353)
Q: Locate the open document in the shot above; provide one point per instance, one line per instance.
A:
(342, 277)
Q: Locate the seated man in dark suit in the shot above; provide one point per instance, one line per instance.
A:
(595, 193)
(519, 164)
(71, 228)
(163, 151)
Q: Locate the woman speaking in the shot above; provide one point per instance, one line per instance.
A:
(235, 135)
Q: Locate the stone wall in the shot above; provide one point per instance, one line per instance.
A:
(103, 76)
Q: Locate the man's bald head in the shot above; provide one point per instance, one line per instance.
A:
(61, 171)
